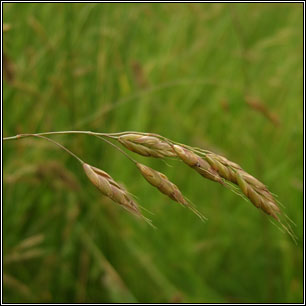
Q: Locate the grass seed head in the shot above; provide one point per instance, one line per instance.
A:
(258, 194)
(147, 145)
(198, 163)
(162, 183)
(106, 184)
(218, 168)
(251, 187)
(220, 165)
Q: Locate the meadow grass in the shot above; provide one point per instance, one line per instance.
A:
(224, 77)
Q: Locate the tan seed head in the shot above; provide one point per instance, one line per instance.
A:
(164, 185)
(217, 168)
(147, 145)
(196, 162)
(106, 184)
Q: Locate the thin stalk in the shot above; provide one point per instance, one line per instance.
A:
(58, 133)
(49, 139)
(116, 147)
(41, 135)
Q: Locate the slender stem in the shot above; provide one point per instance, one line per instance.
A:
(109, 135)
(119, 149)
(58, 133)
(11, 138)
(51, 140)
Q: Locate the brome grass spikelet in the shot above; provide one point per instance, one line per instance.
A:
(147, 145)
(164, 185)
(198, 163)
(218, 168)
(106, 184)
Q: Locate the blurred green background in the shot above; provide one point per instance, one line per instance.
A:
(224, 77)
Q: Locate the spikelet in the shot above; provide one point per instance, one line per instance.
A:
(164, 185)
(258, 194)
(198, 163)
(251, 187)
(217, 168)
(147, 145)
(106, 184)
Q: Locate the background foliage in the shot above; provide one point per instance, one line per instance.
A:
(225, 77)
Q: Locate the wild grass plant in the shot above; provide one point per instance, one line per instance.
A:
(227, 78)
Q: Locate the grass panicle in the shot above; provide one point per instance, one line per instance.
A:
(208, 164)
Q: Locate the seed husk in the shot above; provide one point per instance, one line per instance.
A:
(197, 163)
(164, 185)
(110, 188)
(149, 146)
